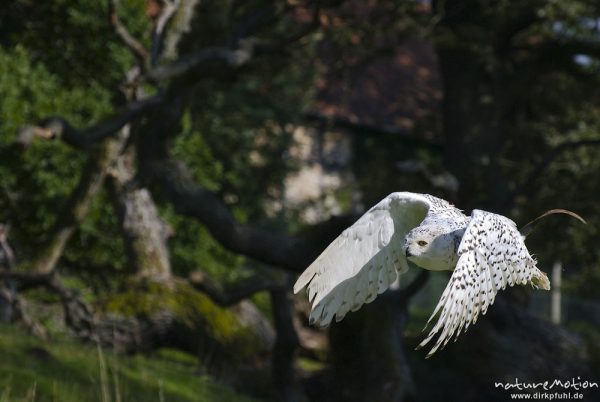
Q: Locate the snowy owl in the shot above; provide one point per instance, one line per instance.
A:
(486, 251)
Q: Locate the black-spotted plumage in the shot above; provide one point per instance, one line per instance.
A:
(485, 250)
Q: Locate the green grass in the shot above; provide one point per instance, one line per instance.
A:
(67, 371)
(310, 365)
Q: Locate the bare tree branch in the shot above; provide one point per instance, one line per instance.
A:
(543, 164)
(58, 127)
(192, 200)
(278, 249)
(175, 32)
(188, 198)
(231, 58)
(78, 204)
(234, 293)
(26, 280)
(136, 48)
(244, 52)
(78, 314)
(19, 314)
(167, 12)
(405, 136)
(11, 303)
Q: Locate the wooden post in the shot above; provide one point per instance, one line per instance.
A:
(555, 313)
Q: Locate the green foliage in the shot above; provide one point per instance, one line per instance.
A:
(193, 248)
(35, 185)
(249, 118)
(37, 182)
(31, 92)
(236, 133)
(96, 255)
(309, 365)
(73, 39)
(77, 79)
(61, 370)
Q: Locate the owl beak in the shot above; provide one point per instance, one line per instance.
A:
(407, 252)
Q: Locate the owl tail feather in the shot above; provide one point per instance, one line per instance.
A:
(540, 280)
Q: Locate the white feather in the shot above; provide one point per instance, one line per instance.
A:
(491, 245)
(359, 264)
(366, 258)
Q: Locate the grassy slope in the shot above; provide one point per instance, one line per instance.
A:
(64, 371)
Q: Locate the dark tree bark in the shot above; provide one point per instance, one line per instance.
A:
(286, 343)
(368, 352)
(476, 110)
(234, 293)
(369, 362)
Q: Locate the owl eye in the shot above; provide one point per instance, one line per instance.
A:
(422, 243)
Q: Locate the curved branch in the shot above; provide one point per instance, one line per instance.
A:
(551, 155)
(168, 11)
(241, 55)
(136, 48)
(192, 200)
(361, 128)
(26, 280)
(77, 205)
(179, 188)
(230, 58)
(235, 293)
(58, 127)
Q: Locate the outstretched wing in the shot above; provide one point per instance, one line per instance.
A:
(492, 254)
(363, 261)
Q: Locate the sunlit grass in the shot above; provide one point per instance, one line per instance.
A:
(66, 371)
(310, 365)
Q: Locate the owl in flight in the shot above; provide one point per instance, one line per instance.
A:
(485, 251)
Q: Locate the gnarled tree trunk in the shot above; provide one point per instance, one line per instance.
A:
(144, 232)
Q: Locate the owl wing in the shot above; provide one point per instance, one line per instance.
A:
(491, 255)
(365, 259)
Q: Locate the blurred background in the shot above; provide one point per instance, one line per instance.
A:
(168, 167)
